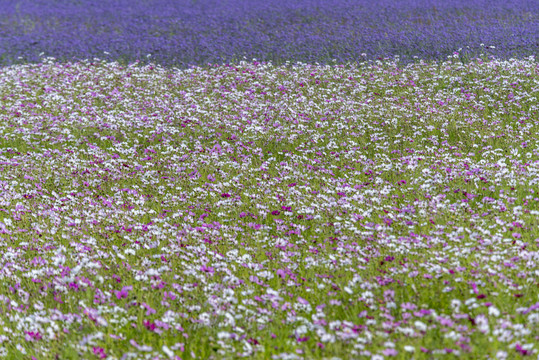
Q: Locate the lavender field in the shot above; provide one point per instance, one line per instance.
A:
(180, 33)
(304, 204)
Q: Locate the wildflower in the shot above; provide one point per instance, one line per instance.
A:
(207, 269)
(409, 348)
(100, 352)
(124, 293)
(390, 352)
(302, 301)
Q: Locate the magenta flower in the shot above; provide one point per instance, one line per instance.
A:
(149, 325)
(275, 212)
(33, 336)
(99, 352)
(124, 293)
(521, 350)
(207, 269)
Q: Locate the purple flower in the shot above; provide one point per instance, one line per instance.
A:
(521, 350)
(124, 293)
(390, 352)
(256, 280)
(302, 301)
(32, 336)
(275, 212)
(207, 269)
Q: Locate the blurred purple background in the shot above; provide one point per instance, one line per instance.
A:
(180, 33)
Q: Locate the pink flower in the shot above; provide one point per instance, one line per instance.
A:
(32, 336)
(302, 301)
(124, 293)
(207, 269)
(390, 352)
(521, 350)
(149, 325)
(99, 352)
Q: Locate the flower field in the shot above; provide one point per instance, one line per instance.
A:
(381, 208)
(180, 33)
(252, 210)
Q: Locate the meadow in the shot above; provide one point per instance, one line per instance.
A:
(253, 210)
(372, 206)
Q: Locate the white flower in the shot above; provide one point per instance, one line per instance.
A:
(327, 338)
(167, 351)
(493, 311)
(420, 326)
(455, 304)
(482, 323)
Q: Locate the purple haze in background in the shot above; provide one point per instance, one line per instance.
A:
(183, 33)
